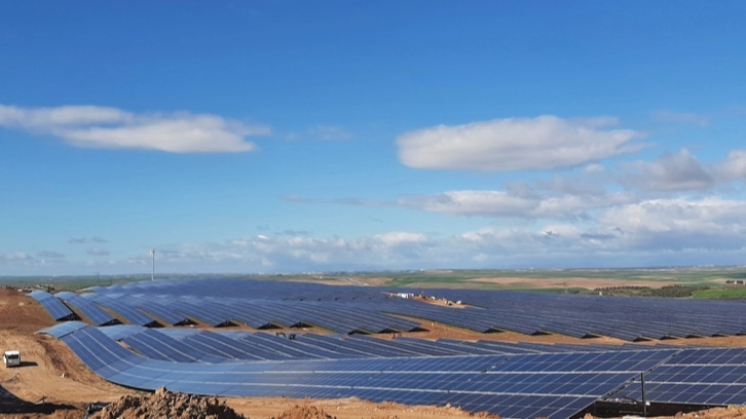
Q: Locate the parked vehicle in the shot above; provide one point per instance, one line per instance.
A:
(12, 358)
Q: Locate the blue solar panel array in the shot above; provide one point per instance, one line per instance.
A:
(695, 376)
(519, 380)
(555, 385)
(584, 315)
(350, 309)
(257, 304)
(87, 308)
(56, 308)
(128, 312)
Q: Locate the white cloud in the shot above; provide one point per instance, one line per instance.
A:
(305, 253)
(674, 231)
(545, 142)
(734, 166)
(670, 172)
(105, 127)
(675, 224)
(652, 232)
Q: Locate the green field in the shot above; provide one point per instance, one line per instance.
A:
(722, 294)
(700, 282)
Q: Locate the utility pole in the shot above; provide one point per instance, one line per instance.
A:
(644, 400)
(152, 275)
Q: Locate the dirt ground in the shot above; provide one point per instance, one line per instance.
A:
(53, 383)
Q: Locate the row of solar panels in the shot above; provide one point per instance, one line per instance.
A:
(258, 314)
(56, 308)
(249, 289)
(213, 347)
(263, 304)
(606, 315)
(555, 385)
(573, 315)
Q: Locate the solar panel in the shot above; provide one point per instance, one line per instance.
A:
(695, 376)
(62, 329)
(423, 347)
(554, 385)
(89, 309)
(155, 345)
(281, 345)
(56, 308)
(159, 310)
(129, 313)
(225, 346)
(308, 345)
(121, 331)
(335, 344)
(178, 333)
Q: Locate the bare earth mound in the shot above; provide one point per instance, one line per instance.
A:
(165, 404)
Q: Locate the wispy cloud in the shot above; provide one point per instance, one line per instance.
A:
(107, 127)
(14, 257)
(681, 118)
(294, 233)
(83, 240)
(352, 201)
(97, 251)
(48, 254)
(545, 142)
(280, 252)
(319, 133)
(507, 204)
(329, 133)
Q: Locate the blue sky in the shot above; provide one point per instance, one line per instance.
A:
(290, 136)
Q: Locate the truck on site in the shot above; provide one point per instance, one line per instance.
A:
(12, 359)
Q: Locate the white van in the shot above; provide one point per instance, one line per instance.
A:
(12, 359)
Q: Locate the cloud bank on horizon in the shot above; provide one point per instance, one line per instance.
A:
(603, 223)
(375, 152)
